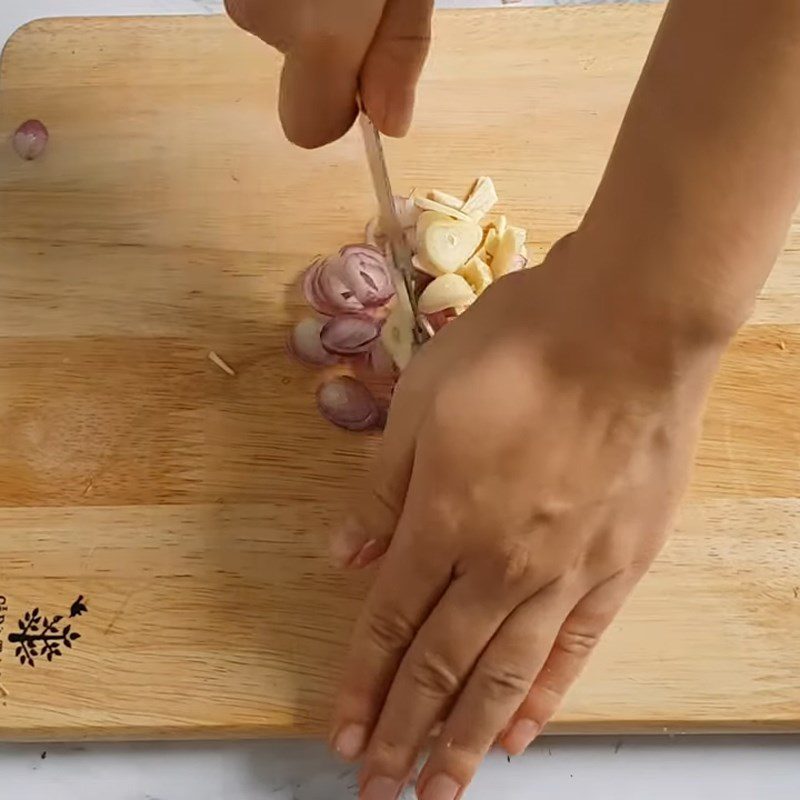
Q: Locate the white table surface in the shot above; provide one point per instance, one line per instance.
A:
(629, 768)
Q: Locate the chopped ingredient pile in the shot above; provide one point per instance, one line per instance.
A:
(458, 251)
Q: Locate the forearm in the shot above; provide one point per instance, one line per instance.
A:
(700, 189)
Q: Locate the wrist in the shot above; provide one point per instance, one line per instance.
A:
(620, 324)
(664, 285)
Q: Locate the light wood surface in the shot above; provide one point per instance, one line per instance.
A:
(189, 508)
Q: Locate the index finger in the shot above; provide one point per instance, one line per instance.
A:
(409, 584)
(366, 534)
(394, 63)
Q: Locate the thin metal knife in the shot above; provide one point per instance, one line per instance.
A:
(405, 274)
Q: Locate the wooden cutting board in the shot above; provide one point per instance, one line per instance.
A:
(175, 517)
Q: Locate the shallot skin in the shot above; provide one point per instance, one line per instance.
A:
(30, 139)
(349, 404)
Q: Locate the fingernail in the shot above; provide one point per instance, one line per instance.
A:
(368, 553)
(350, 741)
(522, 733)
(346, 543)
(381, 788)
(441, 787)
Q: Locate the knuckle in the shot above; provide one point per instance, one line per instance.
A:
(390, 630)
(501, 682)
(466, 750)
(512, 566)
(387, 756)
(544, 700)
(578, 643)
(432, 675)
(550, 697)
(384, 751)
(516, 564)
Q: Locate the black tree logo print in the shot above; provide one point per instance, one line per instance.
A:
(41, 637)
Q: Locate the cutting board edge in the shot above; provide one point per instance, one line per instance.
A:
(134, 733)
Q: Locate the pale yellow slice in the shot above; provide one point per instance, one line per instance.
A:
(445, 199)
(425, 204)
(445, 244)
(507, 256)
(447, 291)
(481, 199)
(478, 274)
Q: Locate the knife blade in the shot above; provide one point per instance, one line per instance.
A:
(404, 272)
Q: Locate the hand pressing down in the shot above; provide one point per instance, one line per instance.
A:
(535, 453)
(335, 48)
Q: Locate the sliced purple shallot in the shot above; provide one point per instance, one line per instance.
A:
(355, 279)
(346, 402)
(350, 334)
(305, 343)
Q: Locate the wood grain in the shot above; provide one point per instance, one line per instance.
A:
(169, 218)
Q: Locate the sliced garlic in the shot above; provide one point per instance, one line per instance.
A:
(447, 291)
(489, 245)
(481, 199)
(506, 257)
(445, 199)
(431, 205)
(397, 333)
(493, 235)
(520, 235)
(445, 244)
(477, 273)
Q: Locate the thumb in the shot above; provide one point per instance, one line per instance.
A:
(367, 533)
(394, 63)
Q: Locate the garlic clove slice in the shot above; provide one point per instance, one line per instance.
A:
(520, 235)
(507, 255)
(445, 199)
(477, 273)
(489, 245)
(481, 199)
(431, 205)
(447, 291)
(397, 334)
(445, 245)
